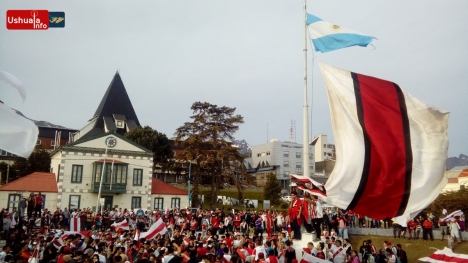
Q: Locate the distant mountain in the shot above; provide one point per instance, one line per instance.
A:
(451, 162)
(244, 147)
(41, 123)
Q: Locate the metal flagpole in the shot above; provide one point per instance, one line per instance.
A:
(100, 183)
(306, 106)
(112, 172)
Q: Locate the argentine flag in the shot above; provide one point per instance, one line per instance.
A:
(329, 37)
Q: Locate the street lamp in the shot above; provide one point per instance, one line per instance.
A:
(189, 174)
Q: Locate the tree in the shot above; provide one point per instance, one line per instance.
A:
(156, 142)
(207, 138)
(38, 161)
(451, 200)
(272, 189)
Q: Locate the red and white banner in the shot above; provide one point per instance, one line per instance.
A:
(308, 185)
(453, 215)
(75, 224)
(444, 256)
(158, 228)
(122, 225)
(391, 148)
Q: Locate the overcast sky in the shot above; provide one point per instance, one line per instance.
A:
(245, 54)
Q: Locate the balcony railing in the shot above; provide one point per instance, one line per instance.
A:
(106, 188)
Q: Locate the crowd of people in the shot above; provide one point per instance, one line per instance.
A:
(189, 236)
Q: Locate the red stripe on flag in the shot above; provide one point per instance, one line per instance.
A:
(384, 184)
(445, 258)
(155, 232)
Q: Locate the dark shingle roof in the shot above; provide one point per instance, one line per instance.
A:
(114, 103)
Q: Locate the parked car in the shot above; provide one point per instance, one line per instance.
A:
(286, 198)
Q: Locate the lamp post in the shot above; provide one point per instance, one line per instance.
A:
(189, 174)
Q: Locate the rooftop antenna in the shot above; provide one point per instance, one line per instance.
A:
(292, 132)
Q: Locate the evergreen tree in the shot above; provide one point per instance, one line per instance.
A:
(207, 138)
(272, 189)
(156, 142)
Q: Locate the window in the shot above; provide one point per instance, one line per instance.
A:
(286, 154)
(324, 154)
(311, 167)
(158, 203)
(137, 176)
(298, 165)
(311, 156)
(286, 164)
(324, 146)
(298, 170)
(136, 202)
(175, 202)
(52, 143)
(3, 153)
(120, 173)
(13, 201)
(38, 142)
(77, 174)
(298, 155)
(74, 202)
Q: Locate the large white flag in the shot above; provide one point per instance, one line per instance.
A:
(18, 135)
(390, 147)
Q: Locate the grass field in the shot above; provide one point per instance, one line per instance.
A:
(415, 249)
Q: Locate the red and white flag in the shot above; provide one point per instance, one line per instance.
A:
(158, 228)
(390, 147)
(444, 256)
(122, 225)
(309, 185)
(75, 223)
(35, 255)
(58, 242)
(453, 215)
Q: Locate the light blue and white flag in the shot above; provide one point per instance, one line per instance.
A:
(329, 37)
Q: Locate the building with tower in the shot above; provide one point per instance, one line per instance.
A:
(100, 157)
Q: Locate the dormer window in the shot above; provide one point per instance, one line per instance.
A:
(120, 124)
(119, 121)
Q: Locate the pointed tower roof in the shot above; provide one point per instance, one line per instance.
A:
(115, 112)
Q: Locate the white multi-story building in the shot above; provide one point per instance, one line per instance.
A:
(323, 150)
(287, 156)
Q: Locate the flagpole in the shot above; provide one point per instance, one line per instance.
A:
(305, 120)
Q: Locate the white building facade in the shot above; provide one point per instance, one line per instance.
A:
(323, 150)
(287, 155)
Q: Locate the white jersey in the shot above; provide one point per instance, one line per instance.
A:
(337, 254)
